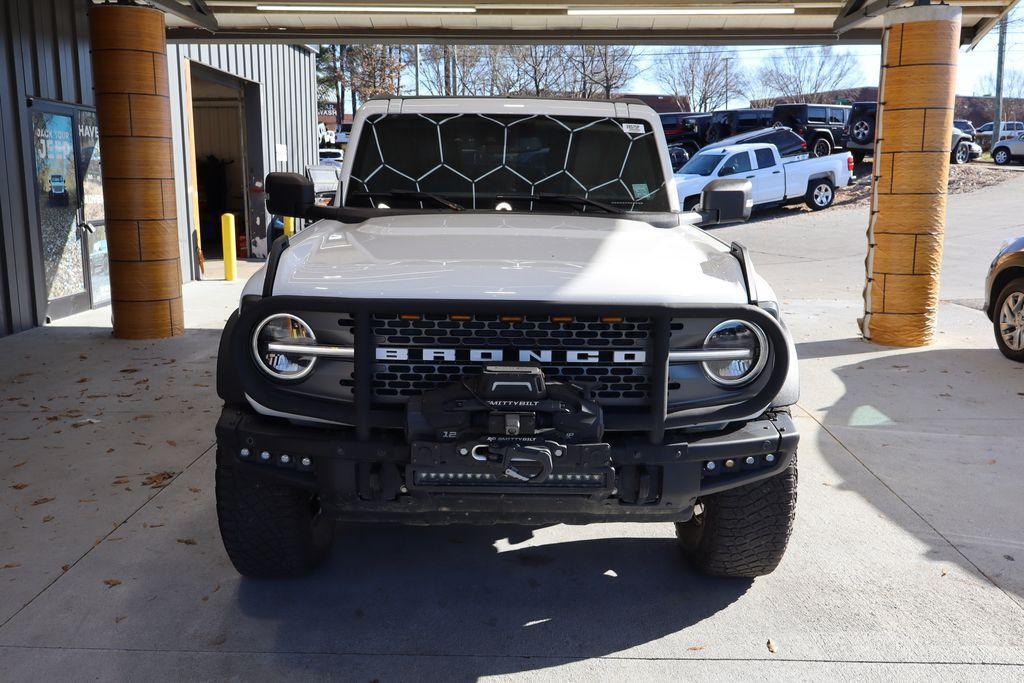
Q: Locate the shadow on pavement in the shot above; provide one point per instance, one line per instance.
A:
(435, 591)
(941, 428)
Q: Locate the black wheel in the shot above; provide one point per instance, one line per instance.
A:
(862, 130)
(270, 530)
(1001, 155)
(714, 134)
(1008, 320)
(742, 532)
(821, 147)
(858, 156)
(690, 202)
(820, 194)
(961, 154)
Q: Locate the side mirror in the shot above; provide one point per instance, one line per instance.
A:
(726, 201)
(289, 194)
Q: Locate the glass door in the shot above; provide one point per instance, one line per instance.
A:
(69, 200)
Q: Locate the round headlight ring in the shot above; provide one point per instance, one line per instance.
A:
(760, 354)
(259, 357)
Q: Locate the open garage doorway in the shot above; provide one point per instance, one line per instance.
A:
(226, 156)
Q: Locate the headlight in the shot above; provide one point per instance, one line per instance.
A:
(736, 335)
(274, 342)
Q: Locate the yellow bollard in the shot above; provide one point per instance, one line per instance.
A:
(227, 236)
(289, 226)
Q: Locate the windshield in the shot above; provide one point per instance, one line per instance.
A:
(480, 161)
(704, 163)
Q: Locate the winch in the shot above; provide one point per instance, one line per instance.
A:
(507, 425)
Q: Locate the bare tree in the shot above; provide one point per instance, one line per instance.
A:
(1013, 94)
(708, 76)
(806, 72)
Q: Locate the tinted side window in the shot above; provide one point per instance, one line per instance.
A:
(788, 143)
(816, 114)
(837, 115)
(765, 158)
(740, 163)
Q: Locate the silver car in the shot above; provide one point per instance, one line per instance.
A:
(1004, 298)
(1009, 150)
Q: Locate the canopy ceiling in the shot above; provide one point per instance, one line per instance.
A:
(527, 21)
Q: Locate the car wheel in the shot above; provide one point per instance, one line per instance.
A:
(862, 130)
(961, 155)
(714, 134)
(742, 532)
(821, 148)
(269, 530)
(1001, 156)
(1009, 320)
(690, 202)
(820, 194)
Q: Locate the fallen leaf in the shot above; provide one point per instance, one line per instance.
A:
(172, 443)
(110, 450)
(86, 421)
(86, 500)
(129, 371)
(1009, 557)
(112, 582)
(695, 648)
(187, 541)
(18, 487)
(206, 598)
(944, 572)
(41, 501)
(82, 380)
(158, 480)
(771, 646)
(47, 518)
(20, 464)
(992, 461)
(193, 489)
(119, 482)
(219, 640)
(65, 567)
(11, 565)
(118, 620)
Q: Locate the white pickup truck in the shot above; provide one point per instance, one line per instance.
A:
(774, 179)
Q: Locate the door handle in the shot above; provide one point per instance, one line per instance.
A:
(776, 172)
(749, 176)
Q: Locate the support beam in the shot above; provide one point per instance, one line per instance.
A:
(129, 62)
(911, 169)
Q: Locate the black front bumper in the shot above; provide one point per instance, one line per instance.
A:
(386, 479)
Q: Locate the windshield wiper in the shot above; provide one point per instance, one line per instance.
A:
(414, 194)
(563, 199)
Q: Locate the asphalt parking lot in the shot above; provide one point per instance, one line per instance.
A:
(907, 559)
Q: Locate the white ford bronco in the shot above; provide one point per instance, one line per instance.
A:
(504, 317)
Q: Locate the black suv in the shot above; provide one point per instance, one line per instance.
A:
(686, 129)
(861, 129)
(823, 126)
(785, 140)
(725, 123)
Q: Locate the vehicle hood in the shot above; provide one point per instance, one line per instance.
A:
(691, 183)
(513, 257)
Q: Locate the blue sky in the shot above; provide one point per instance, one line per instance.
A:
(974, 65)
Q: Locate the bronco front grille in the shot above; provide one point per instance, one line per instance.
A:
(395, 381)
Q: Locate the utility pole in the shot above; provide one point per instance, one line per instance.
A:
(727, 60)
(997, 123)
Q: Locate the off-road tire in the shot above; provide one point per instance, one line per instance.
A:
(270, 531)
(821, 147)
(820, 187)
(863, 134)
(1001, 156)
(714, 134)
(742, 532)
(1012, 287)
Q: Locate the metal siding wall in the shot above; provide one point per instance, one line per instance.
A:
(285, 74)
(44, 53)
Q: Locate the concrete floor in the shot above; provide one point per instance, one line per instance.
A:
(907, 558)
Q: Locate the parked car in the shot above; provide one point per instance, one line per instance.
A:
(775, 180)
(860, 133)
(823, 126)
(725, 123)
(861, 136)
(789, 144)
(686, 129)
(341, 133)
(678, 155)
(966, 126)
(1010, 129)
(332, 157)
(1004, 298)
(58, 190)
(1009, 150)
(574, 350)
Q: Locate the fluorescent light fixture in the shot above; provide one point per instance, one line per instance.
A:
(367, 9)
(687, 11)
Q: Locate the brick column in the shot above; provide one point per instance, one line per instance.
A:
(911, 168)
(129, 63)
